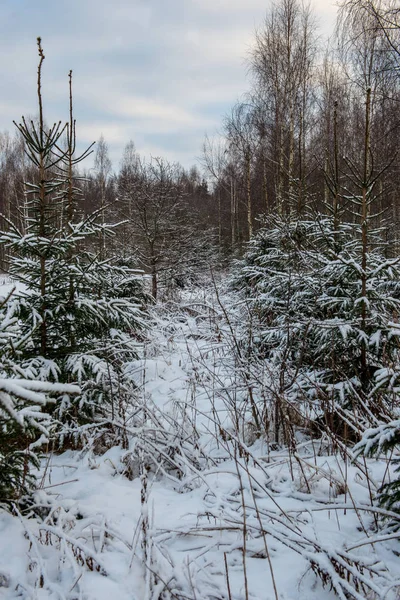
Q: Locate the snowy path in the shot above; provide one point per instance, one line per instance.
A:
(186, 523)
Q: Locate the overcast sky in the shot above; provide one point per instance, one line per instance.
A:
(159, 72)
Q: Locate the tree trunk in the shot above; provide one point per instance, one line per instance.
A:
(153, 272)
(364, 231)
(248, 190)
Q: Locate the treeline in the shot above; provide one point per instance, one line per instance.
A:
(296, 140)
(164, 211)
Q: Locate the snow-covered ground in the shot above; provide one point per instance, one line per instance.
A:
(192, 509)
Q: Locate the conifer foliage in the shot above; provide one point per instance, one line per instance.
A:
(335, 345)
(25, 423)
(75, 313)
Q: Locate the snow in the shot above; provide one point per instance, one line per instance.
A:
(110, 532)
(8, 285)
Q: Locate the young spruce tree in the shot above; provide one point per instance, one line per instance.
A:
(78, 309)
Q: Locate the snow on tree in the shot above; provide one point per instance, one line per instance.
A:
(78, 310)
(332, 340)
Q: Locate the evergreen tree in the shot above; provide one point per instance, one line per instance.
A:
(385, 438)
(78, 310)
(332, 340)
(24, 426)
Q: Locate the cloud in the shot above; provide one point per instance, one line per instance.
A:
(161, 73)
(229, 6)
(140, 107)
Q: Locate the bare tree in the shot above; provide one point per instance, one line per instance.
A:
(215, 161)
(378, 15)
(282, 62)
(102, 167)
(151, 196)
(241, 137)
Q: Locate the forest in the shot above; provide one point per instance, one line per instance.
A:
(200, 368)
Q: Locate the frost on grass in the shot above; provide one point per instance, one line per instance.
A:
(196, 504)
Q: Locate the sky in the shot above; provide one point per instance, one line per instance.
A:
(162, 73)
